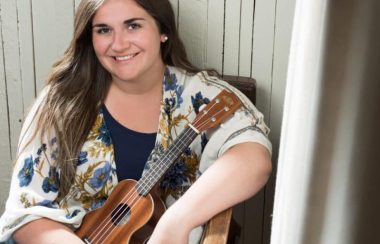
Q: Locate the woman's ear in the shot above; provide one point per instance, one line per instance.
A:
(164, 38)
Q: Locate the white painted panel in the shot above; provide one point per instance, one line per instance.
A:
(25, 32)
(215, 31)
(53, 24)
(174, 4)
(12, 70)
(4, 126)
(9, 73)
(263, 39)
(232, 38)
(5, 176)
(193, 29)
(246, 32)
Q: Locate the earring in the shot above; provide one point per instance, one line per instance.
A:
(165, 38)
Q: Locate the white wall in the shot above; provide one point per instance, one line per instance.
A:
(237, 37)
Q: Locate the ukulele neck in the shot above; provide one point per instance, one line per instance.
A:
(166, 160)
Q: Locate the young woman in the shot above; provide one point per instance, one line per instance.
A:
(123, 91)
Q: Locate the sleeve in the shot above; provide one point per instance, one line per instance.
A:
(246, 125)
(35, 179)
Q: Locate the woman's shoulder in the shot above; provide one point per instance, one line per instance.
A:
(202, 80)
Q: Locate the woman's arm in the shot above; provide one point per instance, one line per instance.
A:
(43, 231)
(237, 175)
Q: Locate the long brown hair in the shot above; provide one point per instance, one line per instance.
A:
(78, 83)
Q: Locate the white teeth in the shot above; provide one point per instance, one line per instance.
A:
(124, 58)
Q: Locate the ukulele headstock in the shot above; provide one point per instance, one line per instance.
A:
(223, 105)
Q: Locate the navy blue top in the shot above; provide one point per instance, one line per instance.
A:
(131, 148)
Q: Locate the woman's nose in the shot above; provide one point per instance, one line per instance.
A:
(120, 41)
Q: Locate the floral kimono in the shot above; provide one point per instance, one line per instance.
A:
(35, 180)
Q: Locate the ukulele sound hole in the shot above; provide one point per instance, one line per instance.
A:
(121, 214)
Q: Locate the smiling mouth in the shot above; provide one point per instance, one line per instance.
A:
(125, 58)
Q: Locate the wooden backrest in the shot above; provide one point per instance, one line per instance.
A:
(246, 85)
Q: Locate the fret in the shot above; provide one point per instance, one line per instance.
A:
(147, 182)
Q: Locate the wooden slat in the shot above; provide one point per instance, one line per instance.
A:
(10, 88)
(25, 32)
(246, 32)
(215, 29)
(253, 219)
(263, 34)
(262, 66)
(53, 25)
(232, 38)
(193, 29)
(12, 70)
(5, 150)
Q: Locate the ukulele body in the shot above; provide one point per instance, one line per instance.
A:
(126, 217)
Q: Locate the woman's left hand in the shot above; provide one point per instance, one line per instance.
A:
(171, 228)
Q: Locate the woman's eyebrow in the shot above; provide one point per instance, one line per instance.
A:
(99, 25)
(128, 21)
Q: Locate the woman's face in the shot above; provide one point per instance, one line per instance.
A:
(127, 40)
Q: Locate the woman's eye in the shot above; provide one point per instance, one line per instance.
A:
(102, 30)
(133, 26)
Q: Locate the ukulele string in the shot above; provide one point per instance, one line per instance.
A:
(133, 197)
(204, 123)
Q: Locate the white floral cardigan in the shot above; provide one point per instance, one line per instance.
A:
(35, 180)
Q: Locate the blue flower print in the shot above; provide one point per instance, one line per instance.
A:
(176, 176)
(170, 84)
(170, 103)
(73, 214)
(204, 141)
(46, 203)
(54, 154)
(98, 203)
(178, 93)
(53, 140)
(101, 176)
(39, 153)
(170, 81)
(41, 149)
(198, 101)
(37, 160)
(82, 158)
(26, 173)
(51, 183)
(103, 135)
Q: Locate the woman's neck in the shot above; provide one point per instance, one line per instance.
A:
(145, 83)
(136, 105)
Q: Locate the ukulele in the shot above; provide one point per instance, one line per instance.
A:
(131, 212)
